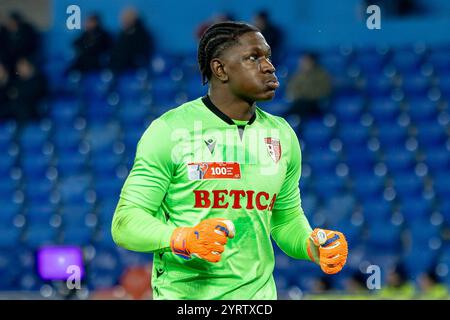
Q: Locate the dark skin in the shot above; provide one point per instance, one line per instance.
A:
(242, 75)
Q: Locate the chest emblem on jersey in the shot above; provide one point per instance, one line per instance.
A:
(213, 170)
(273, 148)
(211, 144)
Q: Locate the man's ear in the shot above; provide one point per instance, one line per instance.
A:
(218, 70)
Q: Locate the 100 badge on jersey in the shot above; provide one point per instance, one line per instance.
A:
(214, 170)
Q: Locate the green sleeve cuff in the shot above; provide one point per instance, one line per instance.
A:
(290, 229)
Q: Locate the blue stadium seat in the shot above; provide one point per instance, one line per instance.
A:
(408, 185)
(444, 209)
(367, 185)
(64, 111)
(77, 235)
(38, 191)
(316, 134)
(102, 138)
(399, 160)
(309, 203)
(384, 109)
(437, 159)
(376, 211)
(9, 210)
(105, 269)
(414, 267)
(103, 239)
(69, 164)
(422, 232)
(406, 61)
(442, 184)
(422, 110)
(99, 111)
(67, 139)
(7, 162)
(76, 215)
(353, 135)
(348, 109)
(334, 63)
(7, 188)
(33, 138)
(106, 164)
(440, 61)
(377, 86)
(416, 209)
(391, 135)
(328, 185)
(35, 167)
(444, 84)
(370, 63)
(321, 161)
(40, 215)
(431, 133)
(8, 130)
(338, 209)
(415, 85)
(108, 188)
(10, 270)
(9, 237)
(383, 237)
(73, 189)
(40, 235)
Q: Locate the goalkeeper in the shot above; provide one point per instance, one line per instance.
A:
(215, 178)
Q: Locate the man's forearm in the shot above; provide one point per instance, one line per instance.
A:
(291, 230)
(135, 229)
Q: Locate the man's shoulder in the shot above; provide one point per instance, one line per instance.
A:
(182, 114)
(273, 120)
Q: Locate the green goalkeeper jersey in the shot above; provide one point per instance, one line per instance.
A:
(194, 163)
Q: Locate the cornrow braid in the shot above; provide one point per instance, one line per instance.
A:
(215, 40)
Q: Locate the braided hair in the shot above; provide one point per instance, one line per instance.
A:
(215, 40)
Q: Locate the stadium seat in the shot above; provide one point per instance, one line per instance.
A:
(376, 211)
(416, 209)
(422, 110)
(328, 185)
(338, 209)
(321, 161)
(349, 108)
(376, 86)
(406, 61)
(442, 184)
(36, 236)
(9, 237)
(430, 133)
(399, 160)
(391, 135)
(437, 159)
(367, 186)
(316, 134)
(353, 135)
(384, 109)
(408, 185)
(414, 266)
(384, 237)
(415, 85)
(76, 235)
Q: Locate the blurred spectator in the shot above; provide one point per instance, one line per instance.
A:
(91, 46)
(271, 32)
(397, 285)
(221, 17)
(308, 87)
(5, 111)
(134, 45)
(27, 90)
(4, 37)
(136, 280)
(430, 288)
(23, 40)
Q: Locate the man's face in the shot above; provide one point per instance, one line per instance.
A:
(251, 75)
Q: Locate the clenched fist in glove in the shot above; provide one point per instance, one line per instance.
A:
(206, 240)
(329, 249)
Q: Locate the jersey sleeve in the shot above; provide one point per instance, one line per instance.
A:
(289, 226)
(289, 195)
(135, 226)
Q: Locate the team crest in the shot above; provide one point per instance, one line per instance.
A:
(274, 148)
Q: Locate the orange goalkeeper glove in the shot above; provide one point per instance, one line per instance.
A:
(206, 240)
(329, 249)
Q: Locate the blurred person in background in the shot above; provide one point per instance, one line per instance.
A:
(5, 111)
(134, 45)
(430, 287)
(220, 17)
(271, 32)
(91, 46)
(4, 37)
(397, 285)
(27, 91)
(23, 39)
(309, 86)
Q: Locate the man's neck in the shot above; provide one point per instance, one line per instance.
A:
(232, 106)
